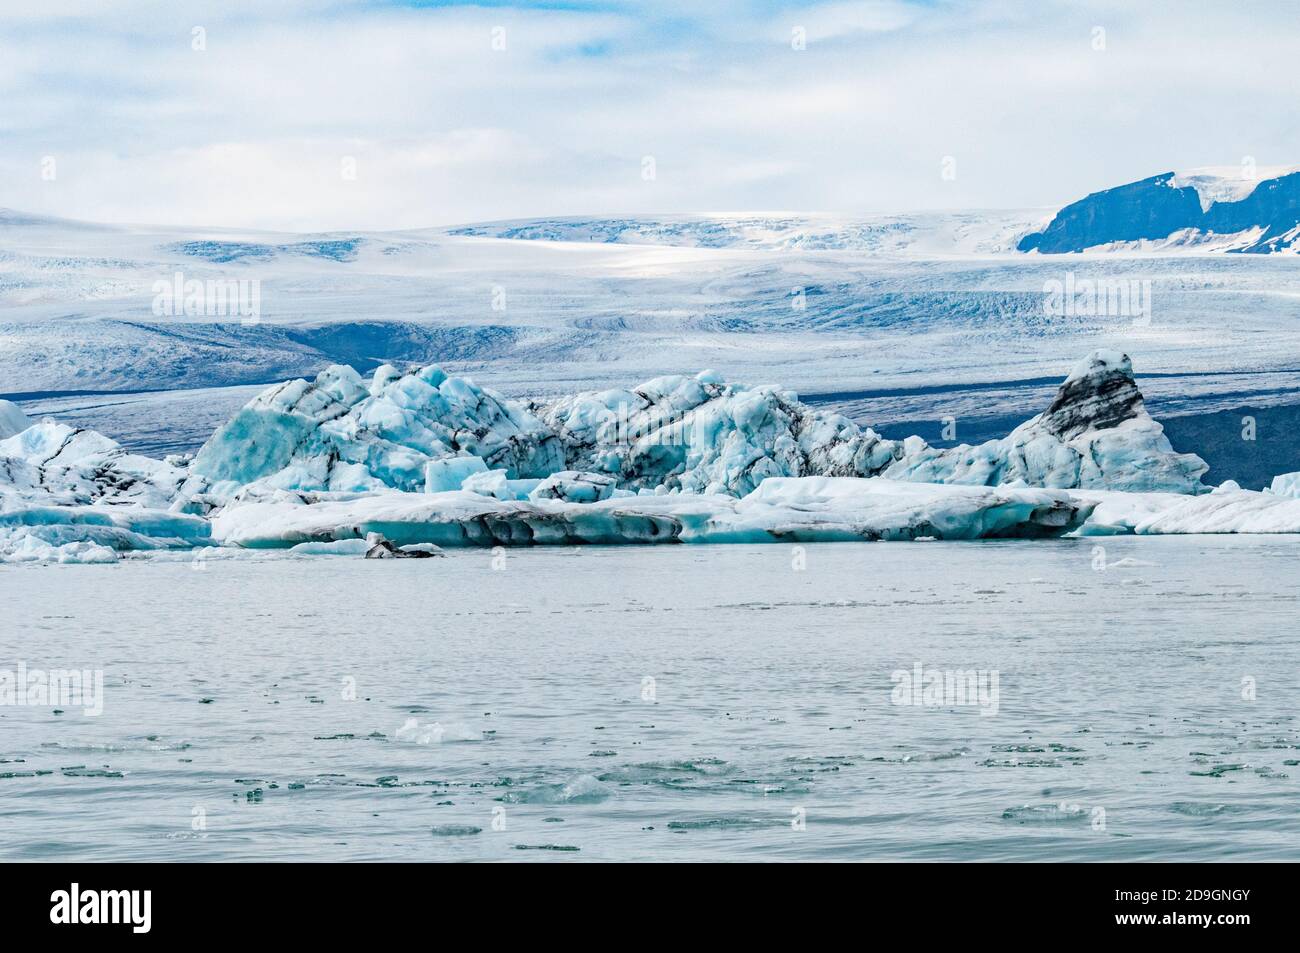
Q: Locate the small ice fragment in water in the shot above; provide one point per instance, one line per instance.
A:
(433, 732)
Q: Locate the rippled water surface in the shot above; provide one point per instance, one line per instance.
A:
(668, 703)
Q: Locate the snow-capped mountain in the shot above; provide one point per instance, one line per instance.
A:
(1202, 210)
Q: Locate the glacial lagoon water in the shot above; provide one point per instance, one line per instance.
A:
(664, 703)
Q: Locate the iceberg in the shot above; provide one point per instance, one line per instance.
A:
(1095, 435)
(28, 548)
(424, 431)
(450, 473)
(1227, 511)
(1285, 484)
(52, 532)
(705, 436)
(73, 495)
(801, 509)
(340, 433)
(702, 435)
(573, 486)
(783, 509)
(52, 463)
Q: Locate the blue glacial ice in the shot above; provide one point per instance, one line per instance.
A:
(340, 433)
(1095, 435)
(1285, 484)
(72, 495)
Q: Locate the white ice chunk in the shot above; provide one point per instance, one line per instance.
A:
(575, 487)
(12, 420)
(1285, 484)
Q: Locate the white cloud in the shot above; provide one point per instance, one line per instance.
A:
(251, 131)
(825, 21)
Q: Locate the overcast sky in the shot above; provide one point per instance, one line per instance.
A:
(1035, 105)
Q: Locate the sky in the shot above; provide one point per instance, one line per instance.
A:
(341, 114)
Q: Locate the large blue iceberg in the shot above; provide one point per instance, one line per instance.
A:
(424, 431)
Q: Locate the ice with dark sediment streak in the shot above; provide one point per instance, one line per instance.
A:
(1095, 435)
(704, 435)
(57, 465)
(804, 509)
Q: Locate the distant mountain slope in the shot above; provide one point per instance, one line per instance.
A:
(1205, 210)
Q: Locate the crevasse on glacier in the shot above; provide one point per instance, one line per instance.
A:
(420, 457)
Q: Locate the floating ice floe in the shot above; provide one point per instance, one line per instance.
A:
(61, 533)
(23, 547)
(422, 460)
(73, 495)
(802, 509)
(413, 731)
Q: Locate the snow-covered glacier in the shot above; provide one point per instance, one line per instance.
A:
(1243, 210)
(420, 457)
